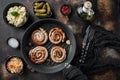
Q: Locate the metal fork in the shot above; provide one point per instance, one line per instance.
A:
(85, 49)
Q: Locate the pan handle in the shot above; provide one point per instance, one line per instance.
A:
(71, 72)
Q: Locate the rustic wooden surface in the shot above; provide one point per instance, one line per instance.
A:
(106, 16)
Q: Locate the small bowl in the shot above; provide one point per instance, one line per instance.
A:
(15, 41)
(9, 58)
(68, 6)
(48, 16)
(12, 5)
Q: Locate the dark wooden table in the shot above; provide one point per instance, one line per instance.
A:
(106, 17)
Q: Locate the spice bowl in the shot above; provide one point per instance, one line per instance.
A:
(13, 42)
(65, 9)
(15, 14)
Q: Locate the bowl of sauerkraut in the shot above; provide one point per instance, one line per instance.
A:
(15, 65)
(15, 14)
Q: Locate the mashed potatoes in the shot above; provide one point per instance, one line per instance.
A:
(16, 15)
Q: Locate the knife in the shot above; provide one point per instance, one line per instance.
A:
(86, 37)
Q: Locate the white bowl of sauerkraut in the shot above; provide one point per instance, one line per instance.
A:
(15, 14)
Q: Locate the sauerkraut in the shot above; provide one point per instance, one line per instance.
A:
(15, 65)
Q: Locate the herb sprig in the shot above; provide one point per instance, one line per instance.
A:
(14, 13)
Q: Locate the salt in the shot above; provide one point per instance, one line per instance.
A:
(12, 42)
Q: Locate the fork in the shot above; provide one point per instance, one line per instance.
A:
(85, 49)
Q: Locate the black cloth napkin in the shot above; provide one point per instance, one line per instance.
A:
(104, 39)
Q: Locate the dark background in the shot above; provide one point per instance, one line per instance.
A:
(102, 18)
